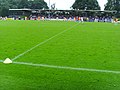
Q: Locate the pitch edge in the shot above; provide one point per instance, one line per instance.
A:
(68, 68)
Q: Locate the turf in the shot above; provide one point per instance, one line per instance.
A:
(86, 45)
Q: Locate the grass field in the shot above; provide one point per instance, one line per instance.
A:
(53, 52)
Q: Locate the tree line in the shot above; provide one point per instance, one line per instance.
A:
(113, 5)
(93, 5)
(5, 5)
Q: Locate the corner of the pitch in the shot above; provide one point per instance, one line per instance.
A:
(7, 61)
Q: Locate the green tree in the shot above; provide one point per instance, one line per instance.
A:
(23, 4)
(113, 5)
(13, 3)
(86, 5)
(33, 4)
(5, 5)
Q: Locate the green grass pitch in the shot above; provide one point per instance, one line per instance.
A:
(86, 45)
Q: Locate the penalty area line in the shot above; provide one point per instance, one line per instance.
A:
(68, 68)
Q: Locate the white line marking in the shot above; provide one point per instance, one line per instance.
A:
(41, 43)
(68, 68)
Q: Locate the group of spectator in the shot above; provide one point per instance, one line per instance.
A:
(74, 18)
(64, 18)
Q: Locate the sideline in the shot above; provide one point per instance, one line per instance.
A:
(66, 67)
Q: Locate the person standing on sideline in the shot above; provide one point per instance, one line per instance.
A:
(82, 19)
